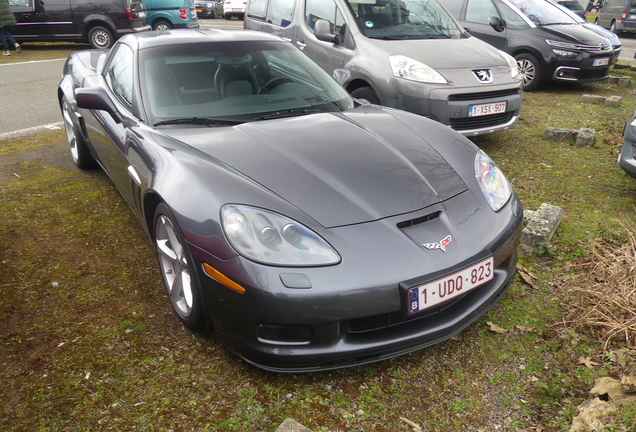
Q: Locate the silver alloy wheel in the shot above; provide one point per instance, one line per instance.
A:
(162, 26)
(70, 130)
(527, 70)
(101, 38)
(174, 267)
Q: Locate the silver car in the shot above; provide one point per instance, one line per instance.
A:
(410, 55)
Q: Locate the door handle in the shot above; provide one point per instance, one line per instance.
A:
(287, 38)
(301, 44)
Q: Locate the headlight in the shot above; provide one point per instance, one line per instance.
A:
(492, 181)
(407, 68)
(209, 5)
(514, 69)
(560, 44)
(270, 238)
(563, 53)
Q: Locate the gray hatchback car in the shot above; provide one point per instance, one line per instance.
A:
(410, 55)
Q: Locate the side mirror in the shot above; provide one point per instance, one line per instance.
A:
(497, 24)
(322, 31)
(96, 98)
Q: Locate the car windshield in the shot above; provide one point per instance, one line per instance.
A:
(572, 5)
(221, 83)
(404, 19)
(541, 12)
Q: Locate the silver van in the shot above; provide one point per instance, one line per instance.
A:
(617, 15)
(405, 54)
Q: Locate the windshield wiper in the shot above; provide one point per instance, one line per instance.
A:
(199, 121)
(287, 113)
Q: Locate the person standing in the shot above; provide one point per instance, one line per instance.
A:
(7, 19)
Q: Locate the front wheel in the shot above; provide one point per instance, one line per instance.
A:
(530, 70)
(77, 146)
(366, 94)
(178, 269)
(100, 37)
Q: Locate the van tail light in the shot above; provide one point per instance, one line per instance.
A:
(182, 13)
(128, 12)
(623, 15)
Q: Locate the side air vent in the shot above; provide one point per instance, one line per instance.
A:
(419, 220)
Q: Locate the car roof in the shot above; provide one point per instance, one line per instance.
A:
(185, 36)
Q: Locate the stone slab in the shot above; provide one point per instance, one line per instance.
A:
(540, 225)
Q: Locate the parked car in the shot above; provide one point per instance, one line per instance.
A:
(547, 43)
(574, 6)
(617, 45)
(388, 52)
(207, 9)
(99, 22)
(617, 15)
(626, 159)
(169, 14)
(314, 232)
(234, 8)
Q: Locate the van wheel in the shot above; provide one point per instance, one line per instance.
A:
(530, 70)
(613, 28)
(366, 94)
(228, 16)
(100, 37)
(161, 25)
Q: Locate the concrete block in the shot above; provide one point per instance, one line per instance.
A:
(585, 138)
(632, 68)
(552, 133)
(625, 81)
(593, 99)
(613, 101)
(621, 66)
(540, 225)
(613, 80)
(291, 425)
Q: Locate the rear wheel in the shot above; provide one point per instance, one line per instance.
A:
(100, 37)
(76, 144)
(177, 269)
(366, 94)
(161, 25)
(530, 70)
(228, 16)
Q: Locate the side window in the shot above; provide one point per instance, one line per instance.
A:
(320, 9)
(280, 12)
(25, 3)
(479, 11)
(119, 75)
(257, 8)
(512, 18)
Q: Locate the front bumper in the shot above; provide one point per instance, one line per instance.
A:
(450, 106)
(355, 312)
(582, 68)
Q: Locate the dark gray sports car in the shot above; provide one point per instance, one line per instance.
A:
(311, 232)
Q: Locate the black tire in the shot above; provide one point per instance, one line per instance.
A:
(530, 70)
(100, 37)
(228, 16)
(178, 270)
(162, 25)
(214, 14)
(366, 94)
(77, 145)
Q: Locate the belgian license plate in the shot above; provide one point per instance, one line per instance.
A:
(142, 14)
(632, 17)
(448, 287)
(601, 61)
(486, 109)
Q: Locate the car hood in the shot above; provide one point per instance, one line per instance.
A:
(575, 33)
(340, 169)
(466, 53)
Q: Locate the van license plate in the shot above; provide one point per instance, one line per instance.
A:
(601, 62)
(456, 284)
(486, 109)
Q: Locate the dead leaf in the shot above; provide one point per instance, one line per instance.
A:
(527, 277)
(496, 328)
(526, 329)
(587, 361)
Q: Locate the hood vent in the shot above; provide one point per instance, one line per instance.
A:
(419, 220)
